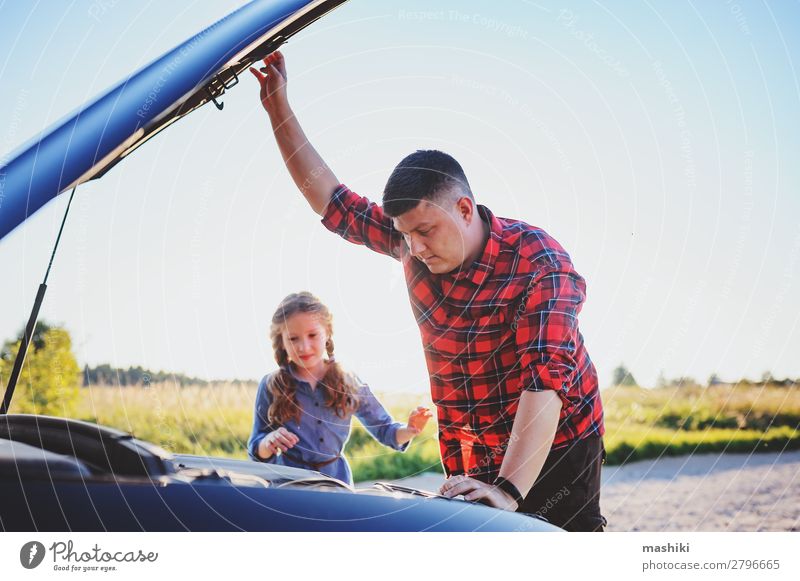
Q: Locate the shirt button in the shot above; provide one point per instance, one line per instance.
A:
(319, 421)
(321, 439)
(316, 404)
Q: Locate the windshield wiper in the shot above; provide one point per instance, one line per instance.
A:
(316, 481)
(408, 490)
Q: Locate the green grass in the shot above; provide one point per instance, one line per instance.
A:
(640, 423)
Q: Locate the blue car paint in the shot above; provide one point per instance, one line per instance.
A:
(74, 148)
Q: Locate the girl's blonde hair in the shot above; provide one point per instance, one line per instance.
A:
(338, 387)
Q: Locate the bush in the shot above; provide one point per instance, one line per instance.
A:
(49, 382)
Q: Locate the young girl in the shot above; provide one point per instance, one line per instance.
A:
(303, 410)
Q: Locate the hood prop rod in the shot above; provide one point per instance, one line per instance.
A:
(31, 326)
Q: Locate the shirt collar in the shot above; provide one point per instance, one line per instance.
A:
(290, 371)
(483, 266)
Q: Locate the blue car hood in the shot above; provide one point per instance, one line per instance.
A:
(89, 142)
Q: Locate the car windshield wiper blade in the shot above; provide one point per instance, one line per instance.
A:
(415, 491)
(316, 480)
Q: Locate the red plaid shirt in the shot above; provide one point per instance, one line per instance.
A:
(506, 324)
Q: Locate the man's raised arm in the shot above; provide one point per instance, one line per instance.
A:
(309, 171)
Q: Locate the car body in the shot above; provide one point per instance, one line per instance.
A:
(59, 474)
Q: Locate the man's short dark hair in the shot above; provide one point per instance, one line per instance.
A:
(423, 175)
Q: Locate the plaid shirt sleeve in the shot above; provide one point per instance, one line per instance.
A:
(360, 221)
(547, 332)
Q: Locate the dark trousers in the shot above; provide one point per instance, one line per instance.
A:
(567, 491)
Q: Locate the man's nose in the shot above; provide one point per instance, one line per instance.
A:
(415, 246)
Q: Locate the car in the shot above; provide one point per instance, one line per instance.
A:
(61, 474)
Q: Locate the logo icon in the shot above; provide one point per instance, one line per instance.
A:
(31, 554)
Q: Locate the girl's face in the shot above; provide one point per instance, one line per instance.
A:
(304, 337)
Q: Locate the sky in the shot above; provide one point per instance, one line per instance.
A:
(656, 141)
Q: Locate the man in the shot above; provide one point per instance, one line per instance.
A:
(496, 301)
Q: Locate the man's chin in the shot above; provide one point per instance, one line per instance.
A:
(438, 267)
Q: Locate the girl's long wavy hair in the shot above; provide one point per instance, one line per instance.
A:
(339, 387)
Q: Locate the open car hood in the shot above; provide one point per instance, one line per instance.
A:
(99, 135)
(61, 474)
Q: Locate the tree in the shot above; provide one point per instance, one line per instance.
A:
(684, 381)
(49, 380)
(106, 375)
(714, 380)
(622, 376)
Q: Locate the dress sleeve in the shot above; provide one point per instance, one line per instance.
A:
(261, 426)
(360, 221)
(377, 420)
(546, 332)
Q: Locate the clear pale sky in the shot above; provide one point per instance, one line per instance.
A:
(657, 141)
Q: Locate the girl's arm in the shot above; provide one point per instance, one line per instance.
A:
(379, 423)
(265, 441)
(261, 425)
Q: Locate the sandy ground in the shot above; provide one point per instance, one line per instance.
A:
(702, 492)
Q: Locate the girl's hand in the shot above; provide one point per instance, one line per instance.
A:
(280, 439)
(418, 418)
(416, 423)
(273, 84)
(405, 434)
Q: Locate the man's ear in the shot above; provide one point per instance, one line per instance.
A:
(466, 209)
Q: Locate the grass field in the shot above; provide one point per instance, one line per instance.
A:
(640, 423)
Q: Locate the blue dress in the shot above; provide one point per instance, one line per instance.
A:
(322, 434)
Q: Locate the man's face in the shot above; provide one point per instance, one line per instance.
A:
(434, 232)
